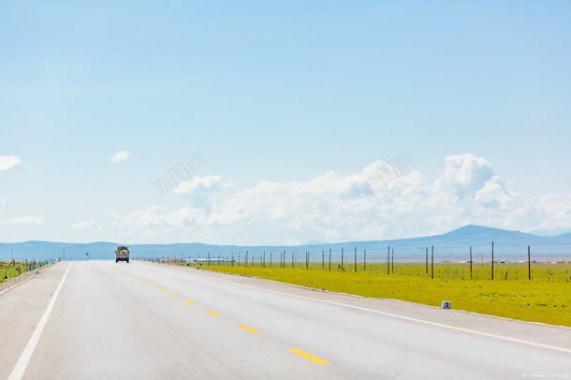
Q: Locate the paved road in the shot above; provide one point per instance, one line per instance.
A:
(149, 321)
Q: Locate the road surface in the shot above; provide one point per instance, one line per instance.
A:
(101, 320)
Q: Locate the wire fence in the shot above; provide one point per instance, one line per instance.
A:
(481, 262)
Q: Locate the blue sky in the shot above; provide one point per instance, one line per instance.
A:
(293, 106)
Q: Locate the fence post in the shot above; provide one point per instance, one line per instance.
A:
(529, 262)
(388, 260)
(470, 262)
(365, 260)
(492, 260)
(342, 258)
(329, 259)
(432, 262)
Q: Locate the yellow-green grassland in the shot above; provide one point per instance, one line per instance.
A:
(545, 298)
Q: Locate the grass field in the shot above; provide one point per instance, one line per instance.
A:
(546, 298)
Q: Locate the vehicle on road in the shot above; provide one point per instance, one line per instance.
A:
(122, 254)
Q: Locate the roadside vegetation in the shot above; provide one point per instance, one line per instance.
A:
(545, 298)
(14, 269)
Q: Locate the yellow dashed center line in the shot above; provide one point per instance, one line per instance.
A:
(249, 329)
(308, 356)
(297, 351)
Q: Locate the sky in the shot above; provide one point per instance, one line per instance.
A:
(282, 122)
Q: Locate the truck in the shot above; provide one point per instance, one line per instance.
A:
(122, 254)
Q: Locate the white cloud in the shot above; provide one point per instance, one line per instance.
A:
(370, 204)
(83, 225)
(22, 220)
(554, 211)
(120, 156)
(199, 190)
(8, 162)
(208, 183)
(464, 174)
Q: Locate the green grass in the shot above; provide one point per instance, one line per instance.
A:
(546, 298)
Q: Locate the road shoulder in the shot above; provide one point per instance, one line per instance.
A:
(20, 311)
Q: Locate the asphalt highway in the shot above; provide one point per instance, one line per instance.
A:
(101, 320)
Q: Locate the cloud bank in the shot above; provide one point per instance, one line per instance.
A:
(365, 205)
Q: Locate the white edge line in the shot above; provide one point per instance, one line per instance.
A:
(411, 319)
(26, 355)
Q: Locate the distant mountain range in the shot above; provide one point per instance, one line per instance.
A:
(451, 246)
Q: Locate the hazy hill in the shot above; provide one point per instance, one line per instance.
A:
(453, 246)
